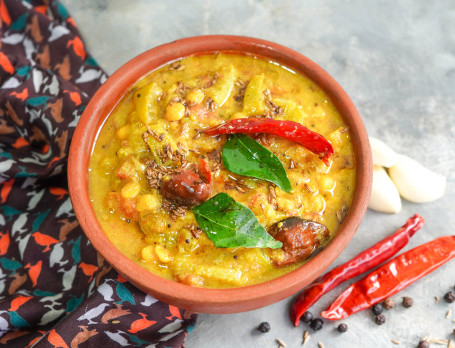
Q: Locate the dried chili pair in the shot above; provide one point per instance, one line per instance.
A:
(392, 277)
(290, 130)
(364, 261)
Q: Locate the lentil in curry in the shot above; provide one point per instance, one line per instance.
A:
(152, 147)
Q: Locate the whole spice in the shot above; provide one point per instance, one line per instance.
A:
(388, 303)
(281, 343)
(264, 327)
(379, 319)
(290, 130)
(307, 317)
(342, 327)
(377, 309)
(306, 337)
(423, 344)
(407, 302)
(449, 297)
(364, 261)
(392, 277)
(316, 324)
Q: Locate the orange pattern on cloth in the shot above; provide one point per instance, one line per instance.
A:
(57, 291)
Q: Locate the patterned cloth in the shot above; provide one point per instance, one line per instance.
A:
(55, 290)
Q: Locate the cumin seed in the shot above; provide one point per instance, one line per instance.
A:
(280, 342)
(306, 337)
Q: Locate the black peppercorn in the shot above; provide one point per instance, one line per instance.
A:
(342, 328)
(187, 241)
(380, 319)
(423, 344)
(407, 302)
(316, 324)
(264, 327)
(377, 308)
(235, 257)
(307, 317)
(128, 221)
(388, 303)
(449, 297)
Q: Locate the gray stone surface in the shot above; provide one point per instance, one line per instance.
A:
(396, 59)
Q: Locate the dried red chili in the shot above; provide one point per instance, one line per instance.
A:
(290, 130)
(204, 171)
(363, 262)
(392, 277)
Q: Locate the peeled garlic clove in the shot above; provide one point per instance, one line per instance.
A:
(384, 195)
(383, 155)
(415, 182)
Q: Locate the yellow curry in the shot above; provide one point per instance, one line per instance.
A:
(153, 146)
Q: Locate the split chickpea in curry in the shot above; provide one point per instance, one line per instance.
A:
(152, 164)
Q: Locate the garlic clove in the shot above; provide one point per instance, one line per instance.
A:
(383, 155)
(415, 182)
(384, 195)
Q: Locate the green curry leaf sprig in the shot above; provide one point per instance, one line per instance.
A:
(229, 224)
(245, 156)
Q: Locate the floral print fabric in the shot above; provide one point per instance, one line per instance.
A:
(55, 290)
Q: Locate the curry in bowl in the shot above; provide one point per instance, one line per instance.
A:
(222, 170)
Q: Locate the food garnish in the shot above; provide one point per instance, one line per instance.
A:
(384, 194)
(379, 319)
(389, 303)
(245, 156)
(363, 262)
(423, 344)
(449, 297)
(264, 327)
(316, 324)
(307, 317)
(383, 155)
(377, 308)
(185, 188)
(415, 182)
(407, 302)
(300, 238)
(342, 328)
(229, 224)
(290, 130)
(392, 277)
(404, 177)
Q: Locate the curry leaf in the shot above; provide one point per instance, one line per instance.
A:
(245, 156)
(229, 224)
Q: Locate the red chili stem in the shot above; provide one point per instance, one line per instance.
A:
(392, 277)
(290, 130)
(363, 262)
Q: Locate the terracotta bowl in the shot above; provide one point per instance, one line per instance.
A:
(198, 299)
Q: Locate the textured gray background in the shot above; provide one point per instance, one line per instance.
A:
(396, 59)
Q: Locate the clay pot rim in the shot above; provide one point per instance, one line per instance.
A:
(202, 299)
